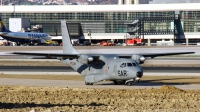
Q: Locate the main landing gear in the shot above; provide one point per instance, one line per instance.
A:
(87, 83)
(130, 81)
(119, 82)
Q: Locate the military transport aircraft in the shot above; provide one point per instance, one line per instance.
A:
(23, 37)
(120, 68)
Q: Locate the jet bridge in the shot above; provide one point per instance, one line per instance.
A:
(149, 26)
(133, 28)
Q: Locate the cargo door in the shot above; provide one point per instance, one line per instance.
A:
(115, 70)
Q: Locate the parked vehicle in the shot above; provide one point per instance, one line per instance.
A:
(75, 43)
(107, 43)
(85, 43)
(110, 43)
(135, 41)
(52, 43)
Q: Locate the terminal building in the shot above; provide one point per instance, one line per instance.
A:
(172, 1)
(177, 22)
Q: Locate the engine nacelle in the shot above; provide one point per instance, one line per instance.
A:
(85, 59)
(139, 58)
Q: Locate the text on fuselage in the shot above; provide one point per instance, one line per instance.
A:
(37, 35)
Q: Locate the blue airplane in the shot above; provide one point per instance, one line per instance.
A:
(31, 38)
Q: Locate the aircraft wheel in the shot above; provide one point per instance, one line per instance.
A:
(86, 83)
(115, 82)
(123, 82)
(91, 83)
(137, 81)
(129, 83)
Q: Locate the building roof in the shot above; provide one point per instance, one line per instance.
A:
(99, 8)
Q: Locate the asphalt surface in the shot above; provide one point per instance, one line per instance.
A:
(69, 69)
(81, 84)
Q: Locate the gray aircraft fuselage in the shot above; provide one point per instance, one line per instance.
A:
(108, 67)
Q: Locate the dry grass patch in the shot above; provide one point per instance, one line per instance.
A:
(51, 99)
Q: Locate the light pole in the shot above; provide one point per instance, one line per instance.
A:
(89, 34)
(13, 8)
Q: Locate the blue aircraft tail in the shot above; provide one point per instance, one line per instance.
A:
(2, 26)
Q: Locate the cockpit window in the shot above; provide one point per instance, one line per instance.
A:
(129, 64)
(137, 64)
(134, 64)
(123, 65)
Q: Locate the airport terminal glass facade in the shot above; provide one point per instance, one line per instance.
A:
(172, 1)
(191, 21)
(106, 22)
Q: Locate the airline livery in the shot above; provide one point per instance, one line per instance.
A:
(23, 37)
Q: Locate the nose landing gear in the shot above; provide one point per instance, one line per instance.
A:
(130, 81)
(137, 80)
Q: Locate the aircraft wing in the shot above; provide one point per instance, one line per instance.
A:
(73, 56)
(49, 55)
(165, 54)
(152, 55)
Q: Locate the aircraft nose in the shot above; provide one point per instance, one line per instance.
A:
(139, 74)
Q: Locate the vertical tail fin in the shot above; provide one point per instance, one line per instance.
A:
(67, 46)
(2, 26)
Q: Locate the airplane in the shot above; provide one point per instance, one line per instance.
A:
(23, 37)
(119, 68)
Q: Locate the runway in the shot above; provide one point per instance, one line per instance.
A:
(50, 69)
(81, 84)
(63, 70)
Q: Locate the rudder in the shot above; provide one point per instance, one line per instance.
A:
(67, 46)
